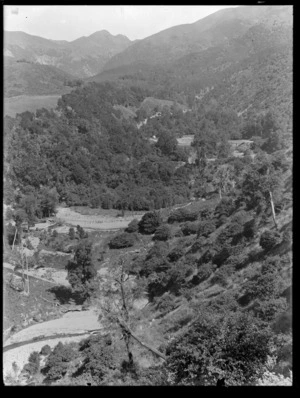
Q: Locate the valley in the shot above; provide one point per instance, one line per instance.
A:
(148, 205)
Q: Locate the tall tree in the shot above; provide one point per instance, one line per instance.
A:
(82, 272)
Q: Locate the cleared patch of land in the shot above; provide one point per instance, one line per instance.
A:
(22, 103)
(103, 221)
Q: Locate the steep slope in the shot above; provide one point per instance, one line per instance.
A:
(82, 57)
(216, 29)
(247, 62)
(24, 78)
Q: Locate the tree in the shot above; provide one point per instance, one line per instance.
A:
(133, 226)
(30, 205)
(150, 222)
(167, 143)
(223, 178)
(162, 233)
(269, 239)
(48, 201)
(122, 240)
(117, 309)
(82, 272)
(260, 183)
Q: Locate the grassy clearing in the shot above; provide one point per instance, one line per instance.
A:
(23, 103)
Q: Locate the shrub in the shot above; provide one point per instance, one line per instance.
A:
(283, 322)
(156, 259)
(250, 229)
(269, 309)
(81, 232)
(269, 239)
(54, 233)
(58, 361)
(45, 350)
(207, 256)
(133, 226)
(183, 214)
(121, 241)
(226, 207)
(221, 256)
(98, 357)
(205, 228)
(206, 214)
(221, 220)
(178, 233)
(33, 365)
(72, 233)
(165, 303)
(162, 233)
(190, 228)
(271, 264)
(175, 254)
(263, 286)
(237, 261)
(150, 222)
(205, 272)
(222, 274)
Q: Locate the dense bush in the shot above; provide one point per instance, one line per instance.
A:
(206, 214)
(33, 365)
(98, 357)
(264, 286)
(150, 222)
(183, 214)
(269, 239)
(163, 232)
(205, 272)
(221, 256)
(232, 234)
(196, 357)
(222, 274)
(71, 233)
(250, 229)
(207, 256)
(221, 220)
(165, 303)
(269, 309)
(57, 362)
(121, 241)
(190, 228)
(176, 254)
(81, 232)
(156, 259)
(205, 228)
(271, 265)
(133, 226)
(237, 261)
(226, 207)
(45, 350)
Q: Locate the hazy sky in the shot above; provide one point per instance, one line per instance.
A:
(71, 22)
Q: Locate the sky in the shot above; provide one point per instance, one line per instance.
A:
(71, 22)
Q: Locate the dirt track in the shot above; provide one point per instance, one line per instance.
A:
(70, 323)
